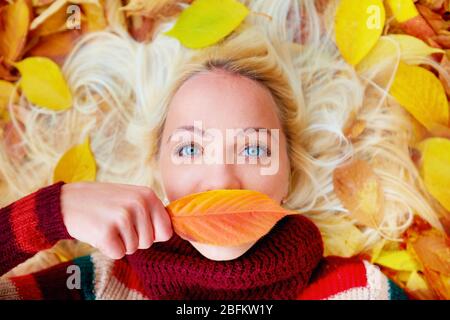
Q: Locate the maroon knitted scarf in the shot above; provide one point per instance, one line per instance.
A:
(278, 266)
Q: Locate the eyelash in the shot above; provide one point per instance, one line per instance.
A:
(266, 150)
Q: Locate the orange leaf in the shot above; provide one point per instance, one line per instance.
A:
(359, 189)
(52, 20)
(95, 16)
(433, 251)
(55, 46)
(434, 20)
(14, 23)
(225, 217)
(439, 283)
(418, 27)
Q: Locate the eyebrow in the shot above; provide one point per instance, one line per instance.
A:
(202, 132)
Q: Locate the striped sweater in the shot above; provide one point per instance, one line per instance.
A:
(285, 264)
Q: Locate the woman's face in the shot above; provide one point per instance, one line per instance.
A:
(233, 152)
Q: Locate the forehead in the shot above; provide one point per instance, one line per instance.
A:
(222, 100)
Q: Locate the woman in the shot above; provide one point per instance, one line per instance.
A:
(132, 99)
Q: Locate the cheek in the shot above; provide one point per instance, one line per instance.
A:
(179, 180)
(274, 185)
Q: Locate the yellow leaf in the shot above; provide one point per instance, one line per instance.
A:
(422, 94)
(206, 22)
(377, 249)
(43, 83)
(435, 168)
(359, 189)
(416, 282)
(399, 260)
(6, 90)
(403, 10)
(358, 25)
(412, 48)
(77, 164)
(347, 243)
(95, 16)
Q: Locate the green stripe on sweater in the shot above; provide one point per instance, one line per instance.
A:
(87, 276)
(395, 292)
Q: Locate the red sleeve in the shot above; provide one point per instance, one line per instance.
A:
(29, 225)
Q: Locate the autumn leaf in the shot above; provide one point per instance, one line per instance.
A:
(403, 10)
(410, 50)
(433, 251)
(77, 164)
(56, 46)
(225, 217)
(435, 168)
(14, 23)
(6, 93)
(52, 19)
(359, 189)
(206, 22)
(358, 25)
(411, 22)
(400, 260)
(43, 83)
(439, 282)
(421, 93)
(434, 19)
(95, 16)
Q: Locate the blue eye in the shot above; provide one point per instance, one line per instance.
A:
(189, 150)
(256, 151)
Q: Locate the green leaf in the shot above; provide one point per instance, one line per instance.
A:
(206, 22)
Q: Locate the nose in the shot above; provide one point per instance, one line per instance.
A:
(221, 176)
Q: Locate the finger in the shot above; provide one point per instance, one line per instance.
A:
(143, 225)
(113, 246)
(162, 225)
(128, 234)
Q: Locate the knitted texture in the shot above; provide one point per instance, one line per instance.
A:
(287, 263)
(278, 266)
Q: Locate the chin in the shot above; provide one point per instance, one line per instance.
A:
(218, 253)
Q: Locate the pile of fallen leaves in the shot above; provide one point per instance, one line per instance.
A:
(37, 35)
(369, 32)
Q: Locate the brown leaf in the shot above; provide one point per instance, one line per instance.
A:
(55, 46)
(434, 5)
(360, 191)
(141, 28)
(418, 27)
(433, 250)
(434, 19)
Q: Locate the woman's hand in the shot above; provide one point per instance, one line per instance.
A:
(117, 219)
